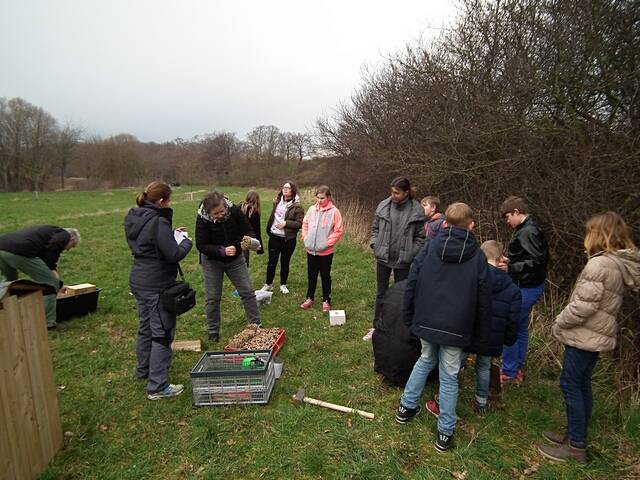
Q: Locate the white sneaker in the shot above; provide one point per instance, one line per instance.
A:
(267, 288)
(170, 391)
(284, 289)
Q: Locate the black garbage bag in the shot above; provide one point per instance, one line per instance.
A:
(395, 348)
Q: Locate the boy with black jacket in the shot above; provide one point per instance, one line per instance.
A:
(448, 298)
(220, 226)
(528, 255)
(503, 329)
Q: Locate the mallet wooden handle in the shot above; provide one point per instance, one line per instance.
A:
(338, 408)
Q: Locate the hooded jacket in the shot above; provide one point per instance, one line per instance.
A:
(588, 322)
(155, 251)
(321, 229)
(404, 239)
(293, 217)
(448, 295)
(44, 241)
(528, 254)
(432, 225)
(213, 235)
(506, 301)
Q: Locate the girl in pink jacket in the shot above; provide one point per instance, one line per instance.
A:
(321, 230)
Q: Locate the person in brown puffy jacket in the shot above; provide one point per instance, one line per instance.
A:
(588, 325)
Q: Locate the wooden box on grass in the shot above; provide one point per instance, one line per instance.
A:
(30, 427)
(79, 300)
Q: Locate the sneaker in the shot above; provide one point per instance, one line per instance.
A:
(369, 335)
(326, 307)
(564, 452)
(506, 380)
(555, 437)
(443, 442)
(480, 409)
(267, 288)
(403, 415)
(59, 327)
(308, 303)
(433, 408)
(284, 289)
(170, 391)
(519, 376)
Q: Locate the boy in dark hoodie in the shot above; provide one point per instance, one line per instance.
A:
(503, 329)
(448, 297)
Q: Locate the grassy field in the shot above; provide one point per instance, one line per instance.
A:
(113, 431)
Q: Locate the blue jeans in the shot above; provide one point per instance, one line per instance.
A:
(483, 376)
(449, 360)
(575, 383)
(513, 357)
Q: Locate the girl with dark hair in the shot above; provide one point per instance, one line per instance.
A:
(251, 209)
(220, 227)
(283, 225)
(397, 234)
(156, 255)
(321, 230)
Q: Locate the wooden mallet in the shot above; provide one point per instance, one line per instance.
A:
(300, 397)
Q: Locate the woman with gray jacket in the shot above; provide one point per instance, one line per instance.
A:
(156, 255)
(397, 234)
(588, 326)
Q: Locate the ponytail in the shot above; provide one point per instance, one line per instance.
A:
(154, 192)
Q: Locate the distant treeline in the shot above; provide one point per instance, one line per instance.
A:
(34, 147)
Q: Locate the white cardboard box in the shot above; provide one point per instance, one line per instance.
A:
(337, 317)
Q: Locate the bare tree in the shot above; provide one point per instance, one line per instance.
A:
(68, 138)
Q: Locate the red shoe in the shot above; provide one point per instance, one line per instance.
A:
(308, 303)
(433, 408)
(519, 376)
(326, 307)
(506, 379)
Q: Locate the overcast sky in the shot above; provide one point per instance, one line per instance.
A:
(162, 69)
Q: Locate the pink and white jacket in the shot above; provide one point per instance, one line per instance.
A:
(321, 229)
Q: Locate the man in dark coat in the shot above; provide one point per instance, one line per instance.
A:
(35, 251)
(448, 298)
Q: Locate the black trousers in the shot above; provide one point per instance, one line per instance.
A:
(278, 246)
(383, 274)
(319, 264)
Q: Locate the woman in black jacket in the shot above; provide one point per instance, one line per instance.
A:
(220, 227)
(283, 226)
(156, 255)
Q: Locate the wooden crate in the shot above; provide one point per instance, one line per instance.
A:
(30, 427)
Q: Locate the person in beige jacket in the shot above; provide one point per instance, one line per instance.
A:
(587, 326)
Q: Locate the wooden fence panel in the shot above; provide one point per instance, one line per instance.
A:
(30, 428)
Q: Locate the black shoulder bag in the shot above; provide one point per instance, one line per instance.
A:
(179, 297)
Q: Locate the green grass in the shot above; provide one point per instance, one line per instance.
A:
(113, 431)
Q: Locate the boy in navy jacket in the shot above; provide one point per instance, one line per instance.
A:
(503, 329)
(448, 298)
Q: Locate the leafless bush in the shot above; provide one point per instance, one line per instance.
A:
(531, 97)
